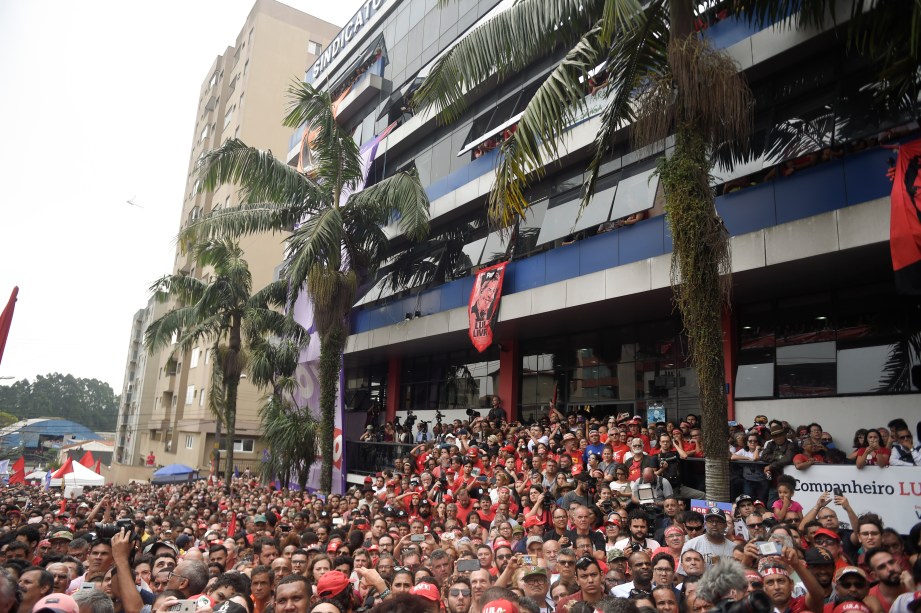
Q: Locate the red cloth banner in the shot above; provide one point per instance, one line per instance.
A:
(19, 471)
(87, 459)
(905, 220)
(484, 304)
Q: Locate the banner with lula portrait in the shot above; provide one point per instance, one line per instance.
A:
(484, 305)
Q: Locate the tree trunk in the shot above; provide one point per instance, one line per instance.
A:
(331, 345)
(680, 18)
(231, 418)
(700, 254)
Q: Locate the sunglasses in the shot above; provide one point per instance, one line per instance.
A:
(504, 556)
(565, 562)
(696, 528)
(455, 592)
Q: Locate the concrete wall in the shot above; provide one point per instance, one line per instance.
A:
(841, 416)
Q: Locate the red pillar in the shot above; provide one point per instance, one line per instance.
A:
(393, 387)
(509, 377)
(730, 358)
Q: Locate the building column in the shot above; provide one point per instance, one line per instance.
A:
(394, 366)
(510, 377)
(730, 358)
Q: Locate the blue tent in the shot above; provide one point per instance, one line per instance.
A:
(175, 473)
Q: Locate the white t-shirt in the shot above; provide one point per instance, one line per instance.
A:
(709, 550)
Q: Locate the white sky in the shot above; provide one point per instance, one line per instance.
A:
(98, 107)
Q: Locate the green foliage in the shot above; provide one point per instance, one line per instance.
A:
(86, 401)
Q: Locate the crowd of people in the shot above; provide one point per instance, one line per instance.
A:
(571, 514)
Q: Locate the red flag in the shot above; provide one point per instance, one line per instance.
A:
(87, 459)
(98, 468)
(484, 304)
(67, 468)
(6, 318)
(905, 219)
(232, 525)
(19, 471)
(63, 506)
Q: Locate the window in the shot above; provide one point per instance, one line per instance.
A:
(194, 358)
(189, 441)
(228, 116)
(245, 67)
(241, 445)
(189, 395)
(314, 48)
(207, 356)
(201, 398)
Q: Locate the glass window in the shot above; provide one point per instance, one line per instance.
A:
(755, 375)
(635, 193)
(193, 360)
(806, 370)
(189, 394)
(878, 368)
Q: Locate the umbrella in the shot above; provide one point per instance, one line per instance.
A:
(6, 318)
(173, 473)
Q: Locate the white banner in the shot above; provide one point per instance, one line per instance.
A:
(893, 493)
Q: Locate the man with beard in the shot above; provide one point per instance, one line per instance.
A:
(551, 468)
(425, 512)
(641, 569)
(458, 595)
(503, 555)
(886, 570)
(591, 584)
(712, 544)
(851, 584)
(549, 551)
(580, 495)
(822, 565)
(636, 541)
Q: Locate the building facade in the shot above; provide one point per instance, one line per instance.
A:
(816, 331)
(243, 96)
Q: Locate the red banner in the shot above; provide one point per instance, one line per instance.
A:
(905, 220)
(484, 304)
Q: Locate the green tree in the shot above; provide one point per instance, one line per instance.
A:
(334, 236)
(666, 80)
(218, 312)
(290, 431)
(86, 401)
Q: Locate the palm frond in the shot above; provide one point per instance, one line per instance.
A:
(502, 46)
(401, 194)
(540, 130)
(638, 52)
(318, 242)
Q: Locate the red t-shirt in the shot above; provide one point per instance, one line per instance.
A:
(872, 456)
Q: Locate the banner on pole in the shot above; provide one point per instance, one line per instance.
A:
(894, 493)
(905, 219)
(484, 305)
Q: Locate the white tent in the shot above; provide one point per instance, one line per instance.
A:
(81, 476)
(38, 475)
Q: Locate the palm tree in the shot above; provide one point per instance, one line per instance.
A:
(334, 233)
(664, 79)
(216, 312)
(290, 430)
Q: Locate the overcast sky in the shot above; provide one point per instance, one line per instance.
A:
(98, 107)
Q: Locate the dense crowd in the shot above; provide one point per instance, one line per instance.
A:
(569, 514)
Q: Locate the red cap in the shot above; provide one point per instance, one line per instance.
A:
(332, 583)
(500, 543)
(473, 453)
(532, 521)
(426, 590)
(332, 547)
(828, 533)
(851, 605)
(500, 606)
(508, 449)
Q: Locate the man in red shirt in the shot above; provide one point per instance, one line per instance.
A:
(888, 573)
(464, 505)
(591, 584)
(778, 584)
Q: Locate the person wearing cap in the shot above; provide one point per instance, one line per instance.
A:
(852, 584)
(595, 446)
(822, 565)
(60, 539)
(778, 452)
(535, 583)
(744, 506)
(56, 603)
(712, 544)
(429, 592)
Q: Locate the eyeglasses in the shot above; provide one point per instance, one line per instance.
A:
(504, 556)
(757, 524)
(456, 591)
(825, 542)
(696, 528)
(565, 562)
(171, 574)
(905, 437)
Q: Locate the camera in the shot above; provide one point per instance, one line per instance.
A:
(548, 500)
(470, 413)
(755, 602)
(439, 416)
(107, 531)
(410, 419)
(769, 548)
